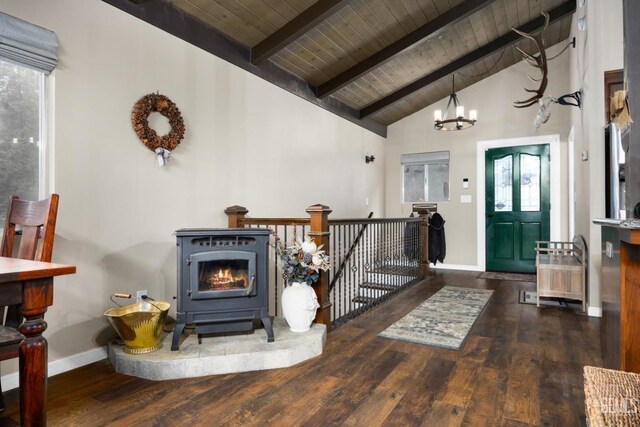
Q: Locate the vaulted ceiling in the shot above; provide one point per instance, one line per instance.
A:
(370, 61)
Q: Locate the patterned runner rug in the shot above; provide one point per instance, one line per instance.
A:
(518, 277)
(444, 320)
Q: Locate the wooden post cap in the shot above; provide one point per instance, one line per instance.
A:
(236, 210)
(318, 208)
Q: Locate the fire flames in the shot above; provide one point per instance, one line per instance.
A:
(225, 279)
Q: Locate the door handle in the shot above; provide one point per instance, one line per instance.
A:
(490, 215)
(251, 285)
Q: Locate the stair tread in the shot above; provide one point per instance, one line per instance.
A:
(381, 286)
(364, 300)
(396, 270)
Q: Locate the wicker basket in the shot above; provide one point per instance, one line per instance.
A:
(611, 398)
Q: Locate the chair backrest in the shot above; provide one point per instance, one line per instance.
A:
(37, 221)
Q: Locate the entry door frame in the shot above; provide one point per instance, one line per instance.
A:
(555, 186)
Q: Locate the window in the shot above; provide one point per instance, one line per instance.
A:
(21, 144)
(425, 177)
(27, 56)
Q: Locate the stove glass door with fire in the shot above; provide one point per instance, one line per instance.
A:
(222, 274)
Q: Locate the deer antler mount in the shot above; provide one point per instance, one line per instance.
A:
(537, 60)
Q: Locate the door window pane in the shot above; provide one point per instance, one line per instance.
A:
(20, 91)
(529, 183)
(503, 184)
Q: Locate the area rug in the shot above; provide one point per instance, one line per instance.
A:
(444, 320)
(517, 277)
(530, 297)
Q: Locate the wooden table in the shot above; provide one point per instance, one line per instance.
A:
(30, 284)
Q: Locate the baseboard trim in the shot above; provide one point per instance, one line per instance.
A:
(594, 311)
(11, 381)
(462, 267)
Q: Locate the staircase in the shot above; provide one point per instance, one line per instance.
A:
(382, 282)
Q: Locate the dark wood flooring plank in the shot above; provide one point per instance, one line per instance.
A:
(522, 401)
(443, 414)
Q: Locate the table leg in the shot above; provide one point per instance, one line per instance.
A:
(37, 296)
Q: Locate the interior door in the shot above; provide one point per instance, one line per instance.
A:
(517, 206)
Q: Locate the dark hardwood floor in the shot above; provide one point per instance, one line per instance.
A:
(520, 365)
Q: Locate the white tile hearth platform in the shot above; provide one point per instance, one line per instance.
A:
(222, 354)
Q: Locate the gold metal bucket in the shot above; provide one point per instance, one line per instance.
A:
(139, 324)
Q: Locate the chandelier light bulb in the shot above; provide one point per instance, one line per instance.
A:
(437, 115)
(459, 111)
(473, 115)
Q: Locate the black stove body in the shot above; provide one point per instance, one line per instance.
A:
(223, 281)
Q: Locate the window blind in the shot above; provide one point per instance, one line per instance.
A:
(26, 44)
(425, 158)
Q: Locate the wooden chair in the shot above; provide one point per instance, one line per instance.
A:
(562, 269)
(37, 221)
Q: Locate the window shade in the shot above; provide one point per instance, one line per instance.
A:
(425, 158)
(27, 44)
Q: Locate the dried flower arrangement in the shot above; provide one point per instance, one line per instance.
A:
(302, 261)
(140, 121)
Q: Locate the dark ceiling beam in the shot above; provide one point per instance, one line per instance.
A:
(168, 17)
(492, 47)
(293, 29)
(451, 16)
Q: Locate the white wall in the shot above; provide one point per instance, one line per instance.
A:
(247, 142)
(599, 49)
(498, 119)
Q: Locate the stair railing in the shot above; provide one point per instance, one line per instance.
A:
(338, 272)
(374, 259)
(371, 259)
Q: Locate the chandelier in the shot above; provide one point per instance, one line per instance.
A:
(459, 122)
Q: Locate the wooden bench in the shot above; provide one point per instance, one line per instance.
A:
(561, 269)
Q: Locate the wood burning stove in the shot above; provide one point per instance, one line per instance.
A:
(222, 281)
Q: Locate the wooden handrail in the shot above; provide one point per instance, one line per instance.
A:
(336, 276)
(352, 221)
(274, 221)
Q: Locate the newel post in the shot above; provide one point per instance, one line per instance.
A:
(236, 215)
(424, 242)
(319, 232)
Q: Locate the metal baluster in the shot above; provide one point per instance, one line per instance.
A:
(275, 274)
(334, 260)
(360, 279)
(340, 282)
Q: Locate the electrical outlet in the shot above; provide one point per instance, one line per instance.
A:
(140, 294)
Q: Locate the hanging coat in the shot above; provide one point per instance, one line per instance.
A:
(437, 245)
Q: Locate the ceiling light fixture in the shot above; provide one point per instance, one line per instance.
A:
(460, 122)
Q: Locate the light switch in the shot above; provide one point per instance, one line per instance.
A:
(608, 249)
(465, 183)
(465, 198)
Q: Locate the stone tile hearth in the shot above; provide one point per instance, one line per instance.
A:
(222, 355)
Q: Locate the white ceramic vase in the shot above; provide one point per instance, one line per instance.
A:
(299, 305)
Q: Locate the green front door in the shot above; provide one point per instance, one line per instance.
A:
(517, 206)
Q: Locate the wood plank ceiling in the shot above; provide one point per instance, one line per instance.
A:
(364, 52)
